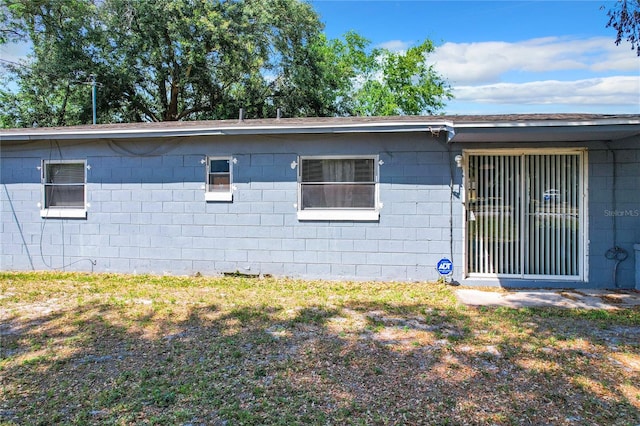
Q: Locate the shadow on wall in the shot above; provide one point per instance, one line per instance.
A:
(408, 159)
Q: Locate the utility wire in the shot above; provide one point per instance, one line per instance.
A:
(17, 64)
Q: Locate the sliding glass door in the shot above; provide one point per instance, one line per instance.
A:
(525, 214)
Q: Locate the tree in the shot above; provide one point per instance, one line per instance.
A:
(332, 71)
(165, 60)
(624, 17)
(379, 82)
(406, 84)
(51, 87)
(161, 60)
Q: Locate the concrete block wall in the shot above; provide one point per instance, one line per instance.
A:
(605, 212)
(614, 216)
(147, 210)
(147, 213)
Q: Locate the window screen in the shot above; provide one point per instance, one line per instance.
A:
(345, 183)
(64, 185)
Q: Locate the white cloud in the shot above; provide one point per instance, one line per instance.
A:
(551, 74)
(488, 62)
(395, 45)
(622, 90)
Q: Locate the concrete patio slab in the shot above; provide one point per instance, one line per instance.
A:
(581, 298)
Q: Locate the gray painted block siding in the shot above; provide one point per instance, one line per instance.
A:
(147, 210)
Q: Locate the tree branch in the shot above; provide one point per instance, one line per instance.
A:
(137, 105)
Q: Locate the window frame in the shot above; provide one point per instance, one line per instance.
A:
(340, 214)
(60, 211)
(218, 195)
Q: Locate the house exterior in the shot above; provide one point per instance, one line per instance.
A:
(522, 200)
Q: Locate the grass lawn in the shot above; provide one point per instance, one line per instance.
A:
(120, 349)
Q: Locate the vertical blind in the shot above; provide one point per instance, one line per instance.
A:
(524, 214)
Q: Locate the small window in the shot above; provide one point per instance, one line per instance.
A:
(338, 188)
(219, 186)
(64, 189)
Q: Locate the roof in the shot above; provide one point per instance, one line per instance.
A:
(459, 128)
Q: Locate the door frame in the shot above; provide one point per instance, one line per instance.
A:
(583, 236)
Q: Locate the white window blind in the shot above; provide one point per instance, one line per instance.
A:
(524, 215)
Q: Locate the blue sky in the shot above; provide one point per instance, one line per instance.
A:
(500, 57)
(504, 57)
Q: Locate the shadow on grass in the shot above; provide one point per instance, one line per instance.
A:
(352, 363)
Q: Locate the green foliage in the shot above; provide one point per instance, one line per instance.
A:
(378, 82)
(165, 60)
(624, 17)
(405, 84)
(51, 92)
(156, 60)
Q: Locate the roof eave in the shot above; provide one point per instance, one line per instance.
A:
(547, 131)
(64, 134)
(457, 130)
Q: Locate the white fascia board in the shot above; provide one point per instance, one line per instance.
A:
(391, 127)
